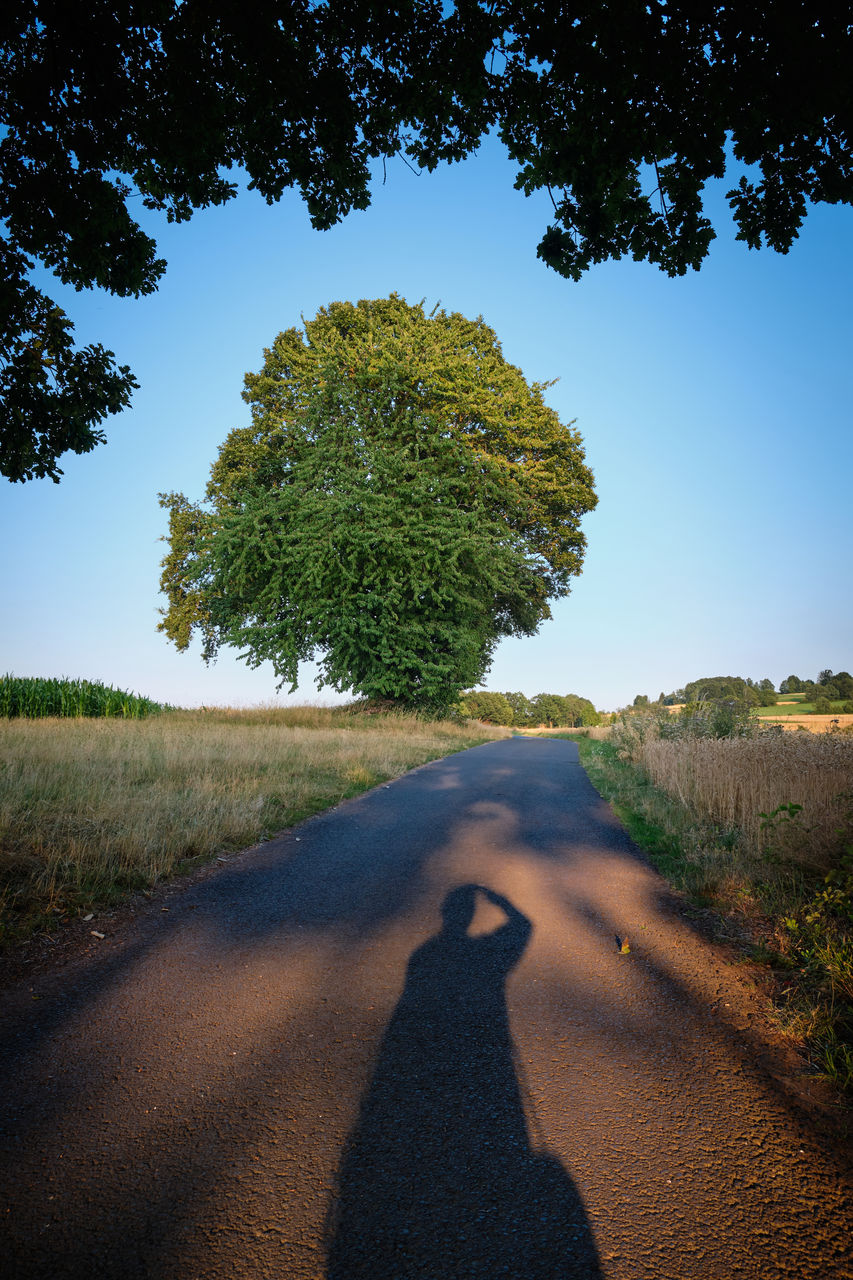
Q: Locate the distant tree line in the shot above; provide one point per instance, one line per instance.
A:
(834, 687)
(754, 693)
(545, 710)
(829, 688)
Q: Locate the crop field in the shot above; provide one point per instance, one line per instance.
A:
(732, 781)
(812, 723)
(91, 809)
(34, 698)
(760, 829)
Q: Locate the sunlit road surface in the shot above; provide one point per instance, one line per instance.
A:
(303, 1069)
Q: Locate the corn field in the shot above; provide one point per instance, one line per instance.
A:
(35, 698)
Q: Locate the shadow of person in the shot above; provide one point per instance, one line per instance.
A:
(438, 1178)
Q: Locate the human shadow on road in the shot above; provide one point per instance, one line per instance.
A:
(438, 1178)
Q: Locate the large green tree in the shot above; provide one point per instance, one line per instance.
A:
(401, 500)
(564, 710)
(492, 708)
(712, 688)
(622, 112)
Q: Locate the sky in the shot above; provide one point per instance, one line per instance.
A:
(714, 408)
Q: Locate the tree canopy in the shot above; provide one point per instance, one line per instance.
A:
(553, 710)
(828, 684)
(620, 112)
(401, 500)
(491, 708)
(564, 710)
(716, 688)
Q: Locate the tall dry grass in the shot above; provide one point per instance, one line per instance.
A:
(733, 781)
(92, 808)
(599, 732)
(696, 804)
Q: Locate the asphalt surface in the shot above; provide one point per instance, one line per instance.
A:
(333, 1057)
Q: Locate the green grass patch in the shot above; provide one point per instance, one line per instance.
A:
(796, 709)
(794, 920)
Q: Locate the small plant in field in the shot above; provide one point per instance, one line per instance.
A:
(836, 1059)
(782, 812)
(820, 947)
(780, 829)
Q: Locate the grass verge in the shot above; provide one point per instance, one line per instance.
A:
(793, 916)
(91, 810)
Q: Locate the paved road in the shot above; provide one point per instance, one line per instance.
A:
(333, 1057)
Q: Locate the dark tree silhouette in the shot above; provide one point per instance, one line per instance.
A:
(622, 112)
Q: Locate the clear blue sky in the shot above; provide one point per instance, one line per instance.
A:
(715, 410)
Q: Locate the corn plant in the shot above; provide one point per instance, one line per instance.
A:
(34, 698)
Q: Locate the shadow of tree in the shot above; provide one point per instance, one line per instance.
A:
(439, 1178)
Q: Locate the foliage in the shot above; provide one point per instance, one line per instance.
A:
(523, 710)
(551, 710)
(832, 685)
(674, 699)
(843, 682)
(760, 693)
(714, 718)
(35, 698)
(491, 708)
(52, 397)
(564, 711)
(400, 501)
(718, 688)
(622, 113)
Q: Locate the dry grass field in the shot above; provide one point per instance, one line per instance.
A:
(90, 809)
(597, 732)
